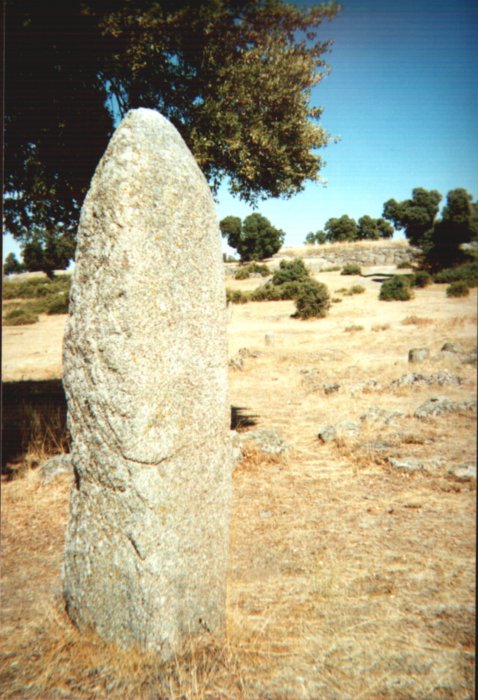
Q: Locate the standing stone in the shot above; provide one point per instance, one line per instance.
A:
(145, 375)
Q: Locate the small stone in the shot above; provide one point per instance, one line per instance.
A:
(380, 415)
(418, 354)
(327, 434)
(60, 464)
(409, 465)
(266, 440)
(390, 509)
(463, 472)
(330, 388)
(437, 405)
(269, 338)
(451, 347)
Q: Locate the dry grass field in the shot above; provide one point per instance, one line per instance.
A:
(350, 577)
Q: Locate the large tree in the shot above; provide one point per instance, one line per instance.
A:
(458, 225)
(342, 228)
(415, 216)
(255, 238)
(440, 239)
(370, 229)
(234, 76)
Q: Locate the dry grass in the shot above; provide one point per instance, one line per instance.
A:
(348, 578)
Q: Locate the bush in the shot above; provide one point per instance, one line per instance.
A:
(458, 289)
(396, 289)
(20, 317)
(404, 265)
(421, 279)
(351, 269)
(245, 271)
(468, 272)
(59, 305)
(235, 296)
(312, 300)
(242, 273)
(292, 271)
(36, 287)
(355, 289)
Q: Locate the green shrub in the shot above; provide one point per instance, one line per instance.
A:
(351, 269)
(253, 268)
(404, 265)
(242, 273)
(292, 271)
(20, 317)
(421, 279)
(396, 289)
(353, 328)
(355, 289)
(468, 272)
(59, 305)
(312, 300)
(235, 296)
(36, 287)
(458, 289)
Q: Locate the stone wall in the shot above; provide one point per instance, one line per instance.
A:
(323, 257)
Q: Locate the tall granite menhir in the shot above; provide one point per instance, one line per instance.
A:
(145, 378)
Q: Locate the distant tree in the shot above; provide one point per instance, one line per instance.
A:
(343, 228)
(415, 216)
(12, 265)
(47, 253)
(255, 238)
(319, 237)
(439, 239)
(458, 225)
(373, 229)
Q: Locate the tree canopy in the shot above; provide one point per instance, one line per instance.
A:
(440, 239)
(233, 76)
(342, 228)
(255, 238)
(416, 215)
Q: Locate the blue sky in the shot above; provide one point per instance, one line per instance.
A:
(403, 98)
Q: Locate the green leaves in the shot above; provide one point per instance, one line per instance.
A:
(254, 239)
(234, 77)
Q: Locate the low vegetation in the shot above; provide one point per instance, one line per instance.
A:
(458, 289)
(396, 289)
(468, 272)
(38, 295)
(245, 271)
(351, 269)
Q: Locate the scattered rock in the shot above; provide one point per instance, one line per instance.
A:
(437, 405)
(365, 386)
(330, 388)
(418, 354)
(266, 440)
(269, 338)
(60, 464)
(451, 347)
(470, 358)
(463, 472)
(381, 415)
(408, 465)
(343, 429)
(417, 379)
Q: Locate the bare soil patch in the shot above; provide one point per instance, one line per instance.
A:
(349, 577)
